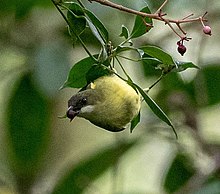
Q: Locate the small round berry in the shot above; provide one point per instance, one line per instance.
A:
(181, 49)
(207, 30)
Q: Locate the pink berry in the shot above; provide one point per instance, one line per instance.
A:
(181, 49)
(207, 30)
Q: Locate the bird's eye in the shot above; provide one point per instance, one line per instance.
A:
(84, 101)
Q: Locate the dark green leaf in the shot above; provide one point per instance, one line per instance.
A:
(156, 109)
(182, 66)
(124, 32)
(140, 27)
(159, 54)
(95, 32)
(97, 71)
(151, 61)
(23, 8)
(79, 177)
(77, 75)
(179, 173)
(98, 24)
(76, 19)
(28, 121)
(135, 121)
(207, 85)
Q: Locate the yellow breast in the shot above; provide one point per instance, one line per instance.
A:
(119, 105)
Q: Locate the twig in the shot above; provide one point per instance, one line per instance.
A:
(162, 6)
(158, 15)
(155, 83)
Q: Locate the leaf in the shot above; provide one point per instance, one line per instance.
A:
(23, 8)
(124, 32)
(207, 85)
(182, 66)
(80, 176)
(140, 27)
(97, 71)
(180, 172)
(77, 75)
(135, 121)
(28, 119)
(151, 61)
(95, 32)
(77, 21)
(156, 109)
(120, 49)
(159, 54)
(98, 24)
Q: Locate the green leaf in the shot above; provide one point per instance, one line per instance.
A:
(104, 54)
(80, 176)
(156, 109)
(120, 49)
(97, 71)
(180, 172)
(135, 121)
(124, 32)
(95, 32)
(207, 84)
(77, 75)
(182, 66)
(23, 8)
(28, 119)
(98, 24)
(151, 61)
(77, 21)
(159, 54)
(140, 27)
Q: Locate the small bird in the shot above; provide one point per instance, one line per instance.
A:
(108, 102)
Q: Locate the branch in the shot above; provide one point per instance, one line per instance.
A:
(158, 15)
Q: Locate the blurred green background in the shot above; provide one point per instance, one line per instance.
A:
(41, 154)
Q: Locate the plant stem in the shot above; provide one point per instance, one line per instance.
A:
(155, 83)
(157, 15)
(127, 58)
(123, 69)
(135, 12)
(78, 37)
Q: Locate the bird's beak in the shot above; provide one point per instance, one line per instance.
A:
(70, 113)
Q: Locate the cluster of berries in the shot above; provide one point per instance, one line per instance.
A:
(182, 49)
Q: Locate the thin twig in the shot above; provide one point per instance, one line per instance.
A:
(155, 83)
(161, 7)
(158, 15)
(143, 14)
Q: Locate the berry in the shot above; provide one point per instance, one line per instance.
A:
(181, 48)
(207, 30)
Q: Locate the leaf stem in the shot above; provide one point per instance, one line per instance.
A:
(127, 58)
(129, 78)
(155, 83)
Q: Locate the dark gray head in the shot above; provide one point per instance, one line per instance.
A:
(79, 101)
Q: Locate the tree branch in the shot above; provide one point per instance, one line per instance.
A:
(158, 15)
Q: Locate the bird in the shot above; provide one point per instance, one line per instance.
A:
(108, 102)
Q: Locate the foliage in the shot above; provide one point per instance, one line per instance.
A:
(40, 68)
